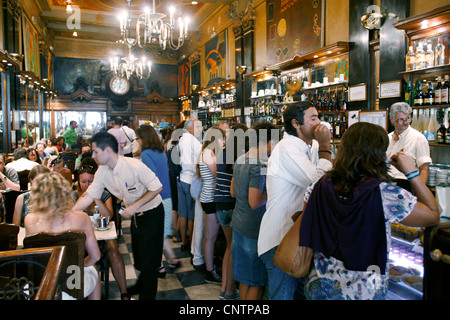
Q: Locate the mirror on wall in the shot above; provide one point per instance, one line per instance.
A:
(89, 122)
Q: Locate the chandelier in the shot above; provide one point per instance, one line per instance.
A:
(153, 28)
(141, 67)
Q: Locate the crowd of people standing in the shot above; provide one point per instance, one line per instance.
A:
(251, 182)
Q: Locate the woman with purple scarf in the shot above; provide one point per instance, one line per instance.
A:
(348, 214)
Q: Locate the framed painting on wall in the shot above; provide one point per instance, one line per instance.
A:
(31, 49)
(215, 62)
(184, 78)
(294, 27)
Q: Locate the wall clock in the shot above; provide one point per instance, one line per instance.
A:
(119, 85)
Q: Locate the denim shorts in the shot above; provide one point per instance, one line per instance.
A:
(224, 217)
(247, 267)
(185, 201)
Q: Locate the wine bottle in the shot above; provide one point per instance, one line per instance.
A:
(421, 122)
(429, 57)
(439, 54)
(418, 97)
(415, 120)
(410, 59)
(437, 91)
(440, 133)
(338, 128)
(429, 96)
(445, 91)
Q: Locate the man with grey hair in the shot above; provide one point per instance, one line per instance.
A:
(405, 139)
(190, 148)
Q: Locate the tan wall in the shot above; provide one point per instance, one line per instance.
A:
(336, 21)
(260, 36)
(421, 6)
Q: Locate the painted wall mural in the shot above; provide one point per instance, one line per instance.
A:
(31, 48)
(184, 80)
(287, 35)
(214, 64)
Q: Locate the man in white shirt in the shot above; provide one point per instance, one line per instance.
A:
(131, 136)
(190, 148)
(133, 182)
(300, 158)
(405, 139)
(117, 132)
(21, 161)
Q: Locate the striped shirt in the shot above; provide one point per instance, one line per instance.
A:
(222, 192)
(208, 182)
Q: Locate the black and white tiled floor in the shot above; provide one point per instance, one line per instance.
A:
(185, 283)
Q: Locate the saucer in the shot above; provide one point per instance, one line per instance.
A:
(103, 229)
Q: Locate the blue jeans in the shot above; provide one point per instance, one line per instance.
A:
(281, 285)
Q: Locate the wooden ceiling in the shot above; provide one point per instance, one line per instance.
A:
(98, 19)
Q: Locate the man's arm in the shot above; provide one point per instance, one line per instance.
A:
(83, 202)
(147, 197)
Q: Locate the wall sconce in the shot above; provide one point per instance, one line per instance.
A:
(194, 87)
(241, 69)
(374, 20)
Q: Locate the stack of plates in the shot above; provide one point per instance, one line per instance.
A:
(432, 177)
(441, 176)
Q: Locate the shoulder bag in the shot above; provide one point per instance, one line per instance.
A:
(291, 258)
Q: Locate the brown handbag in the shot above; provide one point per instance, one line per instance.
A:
(291, 258)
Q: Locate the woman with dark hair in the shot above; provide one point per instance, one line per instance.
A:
(248, 186)
(33, 155)
(235, 146)
(153, 156)
(207, 171)
(86, 174)
(348, 214)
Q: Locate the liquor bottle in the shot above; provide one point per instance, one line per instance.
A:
(433, 126)
(429, 57)
(418, 97)
(410, 59)
(343, 125)
(419, 62)
(421, 122)
(338, 128)
(408, 97)
(439, 54)
(336, 100)
(415, 120)
(318, 101)
(331, 122)
(440, 133)
(445, 91)
(344, 99)
(429, 96)
(437, 91)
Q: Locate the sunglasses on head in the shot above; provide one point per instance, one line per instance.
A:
(86, 168)
(57, 160)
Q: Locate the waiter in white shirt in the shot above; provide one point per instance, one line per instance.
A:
(132, 181)
(407, 140)
(300, 158)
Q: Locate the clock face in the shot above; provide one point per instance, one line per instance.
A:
(119, 85)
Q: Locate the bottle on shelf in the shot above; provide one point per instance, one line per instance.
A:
(318, 101)
(433, 126)
(410, 59)
(439, 54)
(445, 91)
(338, 128)
(429, 56)
(408, 97)
(437, 91)
(429, 96)
(440, 133)
(418, 97)
(344, 99)
(415, 120)
(421, 122)
(447, 135)
(419, 61)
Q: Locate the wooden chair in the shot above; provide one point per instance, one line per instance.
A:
(18, 285)
(8, 236)
(75, 243)
(23, 179)
(9, 202)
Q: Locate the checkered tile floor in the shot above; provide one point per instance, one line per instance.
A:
(185, 283)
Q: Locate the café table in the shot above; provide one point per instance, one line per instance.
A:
(109, 234)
